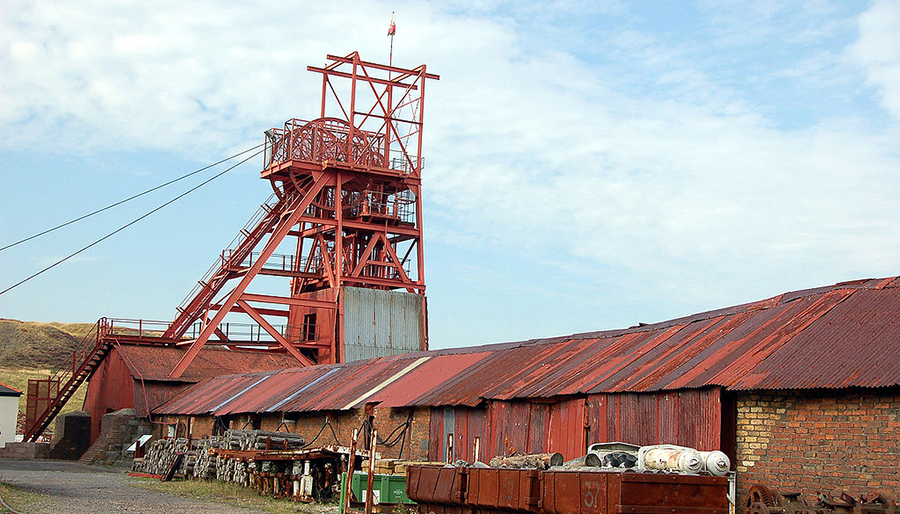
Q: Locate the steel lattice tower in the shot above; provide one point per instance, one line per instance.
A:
(346, 213)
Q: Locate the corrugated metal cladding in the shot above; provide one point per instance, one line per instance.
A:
(381, 323)
(689, 418)
(155, 362)
(847, 335)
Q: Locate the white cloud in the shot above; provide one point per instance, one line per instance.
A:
(878, 51)
(642, 155)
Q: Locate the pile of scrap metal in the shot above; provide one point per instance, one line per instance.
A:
(763, 500)
(663, 458)
(276, 464)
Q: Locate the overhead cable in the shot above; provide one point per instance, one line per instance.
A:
(123, 227)
(120, 202)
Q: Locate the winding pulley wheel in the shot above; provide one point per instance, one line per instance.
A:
(761, 500)
(758, 508)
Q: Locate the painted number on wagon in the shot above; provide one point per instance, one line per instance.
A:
(593, 495)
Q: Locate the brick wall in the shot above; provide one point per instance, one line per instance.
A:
(820, 441)
(415, 445)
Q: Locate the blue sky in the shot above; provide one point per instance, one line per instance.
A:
(590, 165)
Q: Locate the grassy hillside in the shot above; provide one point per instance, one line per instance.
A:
(79, 330)
(31, 350)
(31, 345)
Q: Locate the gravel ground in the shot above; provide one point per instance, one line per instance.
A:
(69, 487)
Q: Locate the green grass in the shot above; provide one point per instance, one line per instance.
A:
(232, 494)
(17, 498)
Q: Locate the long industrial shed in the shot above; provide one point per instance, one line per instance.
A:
(800, 390)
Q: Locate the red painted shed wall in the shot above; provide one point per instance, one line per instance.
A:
(690, 418)
(110, 389)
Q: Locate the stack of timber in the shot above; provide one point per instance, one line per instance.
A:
(274, 463)
(221, 457)
(260, 440)
(162, 453)
(532, 461)
(232, 470)
(206, 464)
(392, 466)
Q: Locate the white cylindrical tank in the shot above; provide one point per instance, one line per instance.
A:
(716, 463)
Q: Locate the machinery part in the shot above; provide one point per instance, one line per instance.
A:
(762, 500)
(716, 463)
(670, 458)
(871, 503)
(762, 495)
(793, 503)
(758, 508)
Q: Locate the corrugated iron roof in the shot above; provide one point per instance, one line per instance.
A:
(155, 362)
(846, 335)
(149, 394)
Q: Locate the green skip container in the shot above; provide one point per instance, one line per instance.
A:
(388, 488)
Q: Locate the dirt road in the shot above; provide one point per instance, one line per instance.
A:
(69, 487)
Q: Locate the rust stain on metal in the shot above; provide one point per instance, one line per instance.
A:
(839, 336)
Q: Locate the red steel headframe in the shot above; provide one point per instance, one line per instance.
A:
(347, 211)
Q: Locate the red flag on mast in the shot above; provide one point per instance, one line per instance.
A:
(393, 28)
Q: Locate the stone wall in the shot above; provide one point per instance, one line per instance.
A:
(819, 441)
(25, 451)
(72, 436)
(117, 431)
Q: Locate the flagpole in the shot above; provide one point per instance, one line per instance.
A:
(391, 31)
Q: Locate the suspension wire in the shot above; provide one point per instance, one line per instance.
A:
(130, 198)
(123, 227)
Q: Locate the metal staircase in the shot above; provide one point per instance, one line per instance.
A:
(86, 357)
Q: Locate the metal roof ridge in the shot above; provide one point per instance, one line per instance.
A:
(244, 390)
(396, 376)
(764, 304)
(304, 388)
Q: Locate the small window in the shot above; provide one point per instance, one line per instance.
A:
(309, 327)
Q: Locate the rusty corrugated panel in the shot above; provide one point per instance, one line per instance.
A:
(566, 434)
(435, 433)
(344, 388)
(202, 398)
(842, 336)
(810, 309)
(854, 344)
(429, 378)
(149, 395)
(688, 417)
(271, 389)
(155, 362)
(471, 424)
